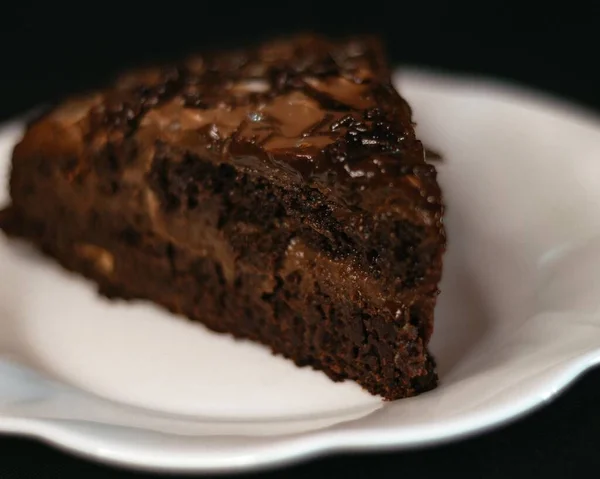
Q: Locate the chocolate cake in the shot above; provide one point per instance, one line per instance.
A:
(276, 193)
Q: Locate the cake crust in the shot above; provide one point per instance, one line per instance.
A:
(277, 193)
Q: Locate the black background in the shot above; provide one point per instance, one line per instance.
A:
(55, 48)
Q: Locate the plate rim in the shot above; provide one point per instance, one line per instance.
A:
(309, 445)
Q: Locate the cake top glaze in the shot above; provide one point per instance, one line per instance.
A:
(305, 109)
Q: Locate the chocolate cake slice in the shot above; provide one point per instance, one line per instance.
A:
(277, 194)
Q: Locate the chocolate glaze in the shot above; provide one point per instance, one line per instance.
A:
(306, 109)
(432, 155)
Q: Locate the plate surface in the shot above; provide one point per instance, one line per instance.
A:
(517, 321)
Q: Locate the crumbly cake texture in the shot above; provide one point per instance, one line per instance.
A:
(277, 194)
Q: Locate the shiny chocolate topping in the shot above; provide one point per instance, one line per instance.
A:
(303, 110)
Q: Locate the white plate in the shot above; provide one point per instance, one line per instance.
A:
(517, 320)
